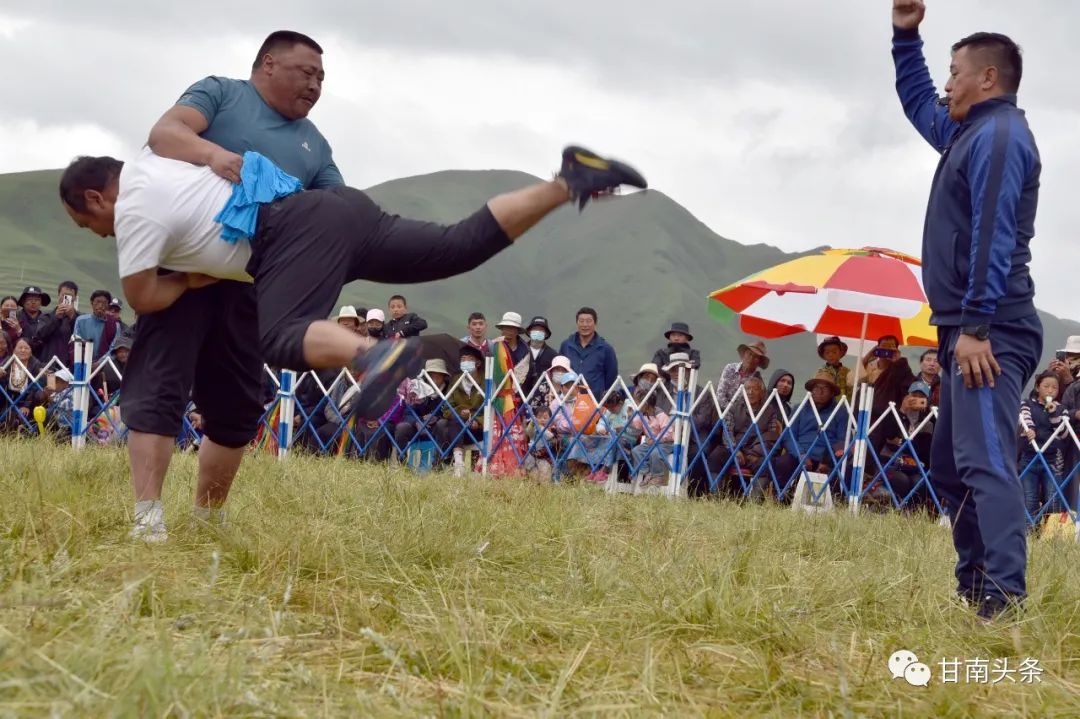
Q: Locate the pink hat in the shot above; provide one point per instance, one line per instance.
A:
(376, 314)
(561, 362)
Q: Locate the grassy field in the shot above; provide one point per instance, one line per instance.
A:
(345, 590)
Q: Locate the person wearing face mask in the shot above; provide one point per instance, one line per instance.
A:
(679, 339)
(462, 421)
(549, 383)
(540, 353)
(646, 377)
(375, 322)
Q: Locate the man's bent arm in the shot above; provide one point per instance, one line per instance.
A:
(176, 136)
(1000, 161)
(147, 291)
(917, 92)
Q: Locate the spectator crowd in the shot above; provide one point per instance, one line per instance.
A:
(751, 436)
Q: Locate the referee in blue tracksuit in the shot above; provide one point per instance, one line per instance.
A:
(979, 223)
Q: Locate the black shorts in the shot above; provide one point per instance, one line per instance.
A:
(205, 346)
(310, 244)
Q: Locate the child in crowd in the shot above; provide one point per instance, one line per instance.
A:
(542, 445)
(657, 440)
(402, 322)
(832, 350)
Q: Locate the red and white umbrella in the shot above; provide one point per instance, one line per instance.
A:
(862, 293)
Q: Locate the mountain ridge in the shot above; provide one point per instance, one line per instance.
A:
(640, 259)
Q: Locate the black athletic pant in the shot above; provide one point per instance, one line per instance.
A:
(202, 347)
(309, 245)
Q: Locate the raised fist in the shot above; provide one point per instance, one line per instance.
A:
(908, 14)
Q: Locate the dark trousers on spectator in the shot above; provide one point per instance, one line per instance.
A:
(405, 432)
(727, 480)
(449, 434)
(974, 461)
(788, 467)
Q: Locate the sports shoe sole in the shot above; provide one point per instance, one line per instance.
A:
(383, 368)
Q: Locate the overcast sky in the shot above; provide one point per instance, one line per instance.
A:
(773, 121)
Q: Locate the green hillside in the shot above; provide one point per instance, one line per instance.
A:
(641, 260)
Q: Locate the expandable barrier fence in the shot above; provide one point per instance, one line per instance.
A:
(672, 439)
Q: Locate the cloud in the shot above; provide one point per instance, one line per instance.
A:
(29, 145)
(771, 121)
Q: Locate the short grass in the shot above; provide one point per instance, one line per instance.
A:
(348, 590)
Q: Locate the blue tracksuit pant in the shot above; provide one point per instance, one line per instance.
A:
(973, 461)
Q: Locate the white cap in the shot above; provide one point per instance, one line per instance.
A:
(347, 312)
(376, 314)
(510, 319)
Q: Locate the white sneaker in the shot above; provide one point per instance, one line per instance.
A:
(150, 527)
(151, 533)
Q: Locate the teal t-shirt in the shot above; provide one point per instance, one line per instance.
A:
(240, 120)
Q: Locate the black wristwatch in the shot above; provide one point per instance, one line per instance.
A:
(979, 332)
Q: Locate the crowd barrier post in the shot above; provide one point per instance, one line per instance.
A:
(286, 411)
(489, 395)
(682, 432)
(80, 392)
(858, 452)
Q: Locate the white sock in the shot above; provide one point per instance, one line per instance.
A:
(149, 511)
(214, 515)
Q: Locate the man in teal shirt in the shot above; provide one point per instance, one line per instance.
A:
(213, 124)
(217, 119)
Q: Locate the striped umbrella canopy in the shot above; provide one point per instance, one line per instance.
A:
(864, 293)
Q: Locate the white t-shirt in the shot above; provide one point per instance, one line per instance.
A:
(164, 217)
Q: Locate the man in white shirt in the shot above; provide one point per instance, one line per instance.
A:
(304, 247)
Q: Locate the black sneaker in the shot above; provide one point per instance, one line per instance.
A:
(382, 368)
(588, 175)
(992, 607)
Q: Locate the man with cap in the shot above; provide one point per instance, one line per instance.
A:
(1060, 366)
(348, 318)
(112, 312)
(540, 353)
(818, 449)
(423, 397)
(34, 322)
(679, 339)
(753, 358)
(374, 321)
(510, 328)
(832, 350)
